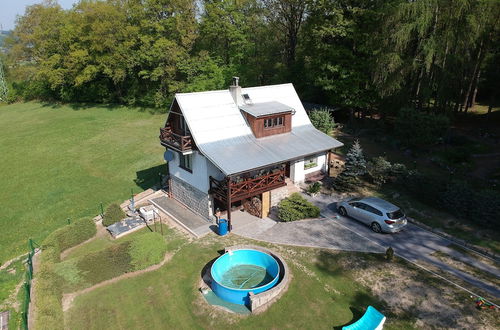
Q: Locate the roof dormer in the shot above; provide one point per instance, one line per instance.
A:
(267, 118)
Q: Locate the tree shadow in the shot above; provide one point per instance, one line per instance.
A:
(328, 262)
(150, 177)
(108, 106)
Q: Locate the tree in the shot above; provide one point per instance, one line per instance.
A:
(322, 120)
(338, 52)
(287, 17)
(355, 168)
(419, 129)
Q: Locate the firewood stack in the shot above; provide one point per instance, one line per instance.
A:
(253, 206)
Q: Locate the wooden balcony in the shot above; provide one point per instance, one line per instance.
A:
(239, 187)
(175, 141)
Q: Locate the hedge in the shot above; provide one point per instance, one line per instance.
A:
(48, 289)
(113, 214)
(296, 207)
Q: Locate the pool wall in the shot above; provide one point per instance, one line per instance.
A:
(244, 256)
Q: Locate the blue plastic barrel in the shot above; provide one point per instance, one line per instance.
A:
(222, 227)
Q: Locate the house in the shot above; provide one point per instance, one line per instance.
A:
(228, 146)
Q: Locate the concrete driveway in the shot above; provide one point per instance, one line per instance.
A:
(417, 245)
(343, 233)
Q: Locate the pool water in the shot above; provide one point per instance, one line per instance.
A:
(245, 277)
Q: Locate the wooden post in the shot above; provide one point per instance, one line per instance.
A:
(228, 181)
(266, 203)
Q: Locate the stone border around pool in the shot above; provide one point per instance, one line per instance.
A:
(260, 302)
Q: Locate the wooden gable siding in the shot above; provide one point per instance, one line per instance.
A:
(258, 129)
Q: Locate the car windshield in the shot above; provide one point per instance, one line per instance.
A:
(395, 215)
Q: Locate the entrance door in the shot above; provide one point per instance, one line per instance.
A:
(287, 169)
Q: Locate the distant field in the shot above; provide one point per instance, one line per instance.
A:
(60, 162)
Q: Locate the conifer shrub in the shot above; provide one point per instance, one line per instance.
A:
(113, 214)
(296, 207)
(354, 169)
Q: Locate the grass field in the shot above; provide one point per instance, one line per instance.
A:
(328, 290)
(60, 162)
(321, 295)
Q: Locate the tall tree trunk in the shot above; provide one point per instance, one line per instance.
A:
(474, 94)
(479, 59)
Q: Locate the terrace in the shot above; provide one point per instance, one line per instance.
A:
(249, 184)
(169, 138)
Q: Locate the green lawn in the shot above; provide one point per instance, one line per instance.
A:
(60, 162)
(322, 295)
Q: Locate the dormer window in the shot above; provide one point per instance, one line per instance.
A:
(268, 118)
(274, 122)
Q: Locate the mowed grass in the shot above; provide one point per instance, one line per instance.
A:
(321, 295)
(60, 162)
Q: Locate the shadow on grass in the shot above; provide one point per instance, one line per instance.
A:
(108, 106)
(150, 177)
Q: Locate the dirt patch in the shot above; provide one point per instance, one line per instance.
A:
(431, 302)
(483, 276)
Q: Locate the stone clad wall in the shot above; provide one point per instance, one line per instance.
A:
(194, 199)
(278, 194)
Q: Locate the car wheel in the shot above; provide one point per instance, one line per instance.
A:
(342, 211)
(376, 227)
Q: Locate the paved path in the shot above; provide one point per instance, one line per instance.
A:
(192, 222)
(323, 233)
(342, 233)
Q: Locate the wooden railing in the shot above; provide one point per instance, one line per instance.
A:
(241, 188)
(176, 141)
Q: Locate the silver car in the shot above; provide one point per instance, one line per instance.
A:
(377, 213)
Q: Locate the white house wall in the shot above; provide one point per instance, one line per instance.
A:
(197, 179)
(321, 165)
(298, 173)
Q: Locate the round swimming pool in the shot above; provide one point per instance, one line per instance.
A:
(237, 273)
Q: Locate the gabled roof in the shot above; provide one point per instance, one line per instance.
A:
(224, 137)
(265, 108)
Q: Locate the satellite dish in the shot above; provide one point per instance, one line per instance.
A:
(168, 155)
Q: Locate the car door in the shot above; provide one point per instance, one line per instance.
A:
(355, 210)
(364, 214)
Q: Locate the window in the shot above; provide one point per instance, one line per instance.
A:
(396, 214)
(274, 122)
(372, 210)
(310, 162)
(186, 162)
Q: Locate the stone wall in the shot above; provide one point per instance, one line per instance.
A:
(194, 199)
(278, 194)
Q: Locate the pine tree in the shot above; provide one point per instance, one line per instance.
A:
(355, 167)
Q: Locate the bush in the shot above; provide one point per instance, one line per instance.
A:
(314, 188)
(77, 232)
(296, 207)
(389, 254)
(416, 128)
(113, 214)
(380, 170)
(147, 250)
(68, 236)
(458, 198)
(322, 120)
(49, 313)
